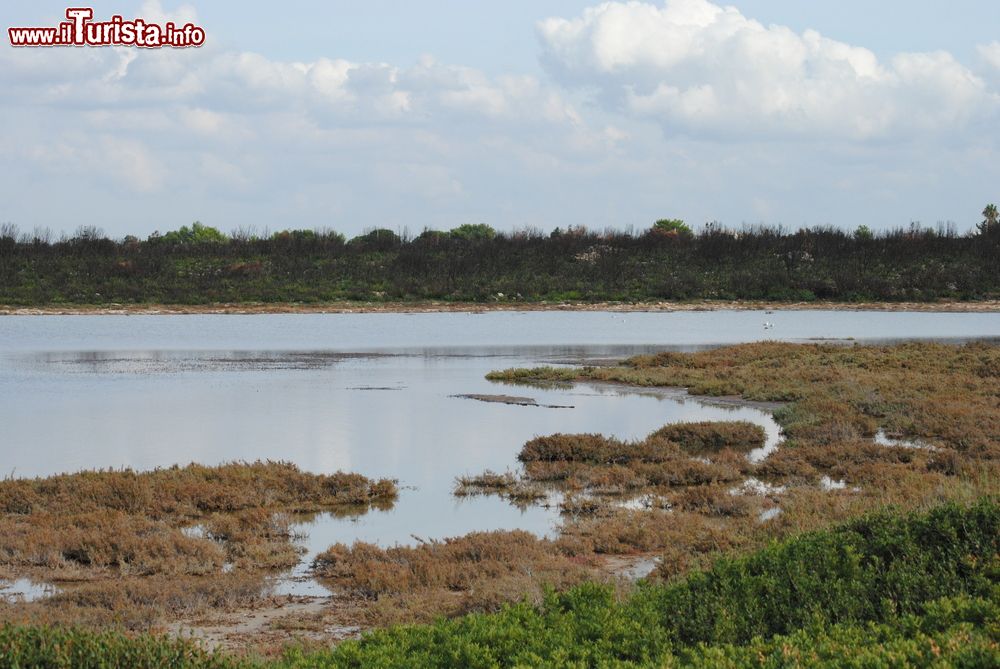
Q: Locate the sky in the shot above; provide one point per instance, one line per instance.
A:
(545, 113)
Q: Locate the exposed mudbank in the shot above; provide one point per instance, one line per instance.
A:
(511, 399)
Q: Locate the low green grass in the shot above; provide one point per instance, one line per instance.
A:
(886, 590)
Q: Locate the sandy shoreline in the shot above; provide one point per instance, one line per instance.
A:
(987, 306)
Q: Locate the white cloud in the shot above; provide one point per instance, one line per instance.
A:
(704, 69)
(127, 164)
(214, 126)
(234, 137)
(226, 173)
(152, 11)
(126, 56)
(176, 113)
(248, 83)
(131, 161)
(991, 54)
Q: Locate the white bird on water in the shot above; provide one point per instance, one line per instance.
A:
(768, 325)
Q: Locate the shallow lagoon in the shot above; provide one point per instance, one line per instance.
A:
(370, 393)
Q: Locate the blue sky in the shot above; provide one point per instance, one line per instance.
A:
(432, 114)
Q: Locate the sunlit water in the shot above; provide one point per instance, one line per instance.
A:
(23, 589)
(368, 393)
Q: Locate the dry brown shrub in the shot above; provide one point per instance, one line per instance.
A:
(591, 448)
(712, 437)
(156, 543)
(476, 572)
(190, 491)
(713, 501)
(486, 482)
(454, 564)
(137, 603)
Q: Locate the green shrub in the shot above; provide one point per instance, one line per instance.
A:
(58, 648)
(196, 234)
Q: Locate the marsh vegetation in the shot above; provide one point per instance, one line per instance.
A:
(870, 531)
(689, 493)
(134, 549)
(703, 496)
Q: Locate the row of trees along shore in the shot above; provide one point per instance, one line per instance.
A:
(198, 264)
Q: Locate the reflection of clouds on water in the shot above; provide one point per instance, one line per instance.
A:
(883, 439)
(769, 514)
(333, 459)
(25, 590)
(690, 408)
(174, 362)
(827, 483)
(469, 430)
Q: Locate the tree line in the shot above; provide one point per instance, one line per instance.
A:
(669, 261)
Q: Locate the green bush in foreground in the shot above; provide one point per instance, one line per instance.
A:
(919, 590)
(960, 632)
(956, 632)
(54, 647)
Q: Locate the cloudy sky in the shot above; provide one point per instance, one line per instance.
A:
(539, 113)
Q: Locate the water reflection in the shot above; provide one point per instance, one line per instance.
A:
(25, 590)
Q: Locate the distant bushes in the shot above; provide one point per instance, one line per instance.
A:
(196, 234)
(474, 262)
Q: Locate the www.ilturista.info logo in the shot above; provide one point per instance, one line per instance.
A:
(80, 30)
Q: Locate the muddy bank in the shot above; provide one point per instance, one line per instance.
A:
(987, 306)
(272, 624)
(512, 400)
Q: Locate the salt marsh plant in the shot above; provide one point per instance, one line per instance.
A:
(131, 546)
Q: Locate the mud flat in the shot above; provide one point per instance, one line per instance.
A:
(512, 399)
